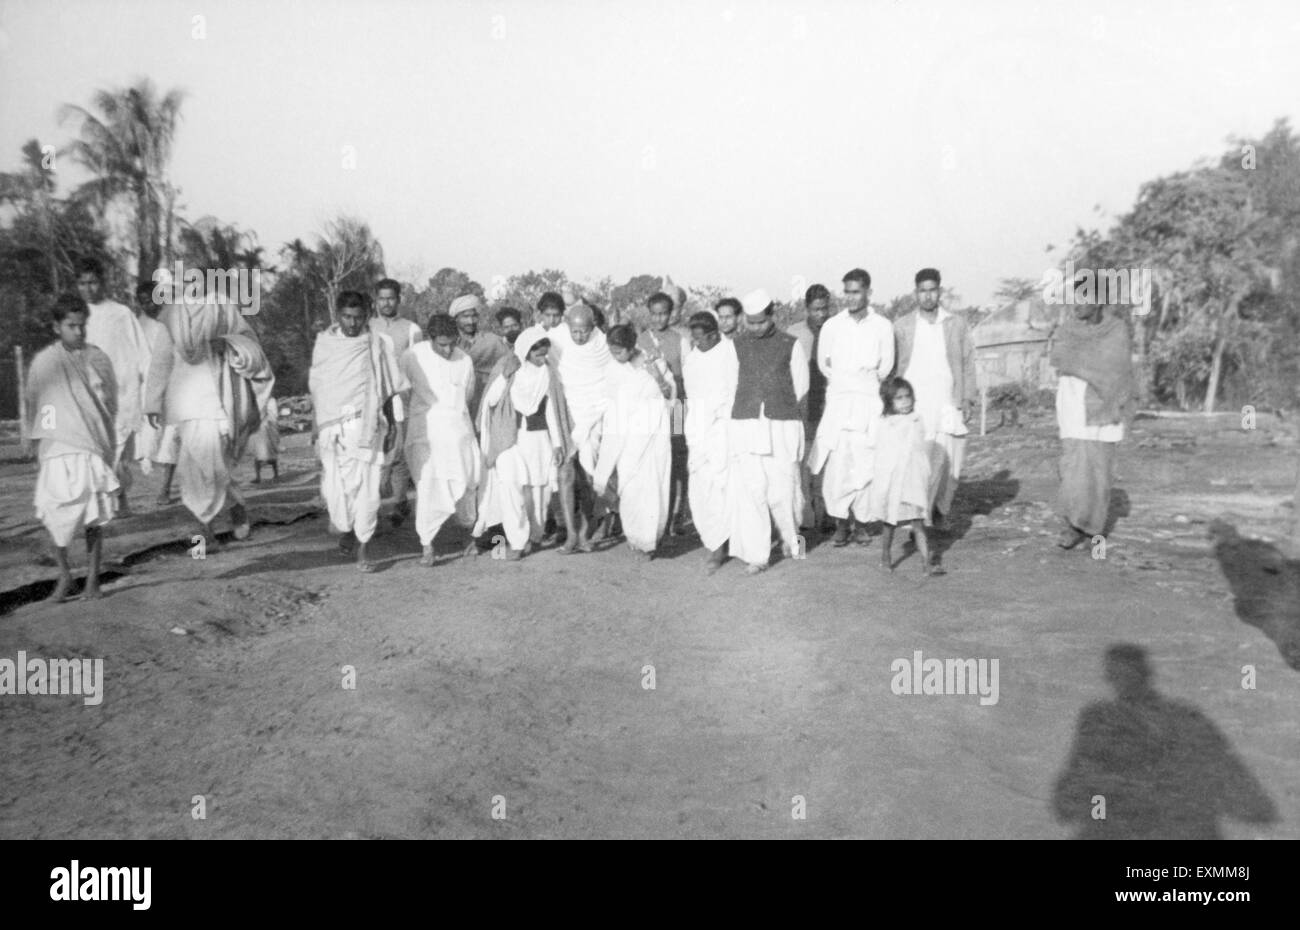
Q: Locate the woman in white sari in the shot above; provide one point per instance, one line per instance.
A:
(635, 446)
(525, 434)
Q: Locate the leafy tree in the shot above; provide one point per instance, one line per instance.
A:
(125, 141)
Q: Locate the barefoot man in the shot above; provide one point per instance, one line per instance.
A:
(353, 381)
(765, 437)
(210, 380)
(445, 459)
(114, 329)
(855, 351)
(71, 390)
(710, 371)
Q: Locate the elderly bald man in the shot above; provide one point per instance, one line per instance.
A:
(583, 365)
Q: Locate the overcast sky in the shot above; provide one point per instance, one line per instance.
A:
(743, 144)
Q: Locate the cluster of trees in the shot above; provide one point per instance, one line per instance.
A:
(1221, 241)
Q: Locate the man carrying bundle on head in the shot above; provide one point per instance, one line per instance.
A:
(525, 434)
(710, 370)
(765, 437)
(354, 380)
(440, 446)
(72, 396)
(210, 379)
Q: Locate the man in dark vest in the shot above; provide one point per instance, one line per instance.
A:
(766, 438)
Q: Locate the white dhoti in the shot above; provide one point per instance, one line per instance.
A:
(518, 488)
(74, 491)
(763, 485)
(708, 467)
(350, 478)
(643, 493)
(203, 468)
(436, 500)
(846, 478)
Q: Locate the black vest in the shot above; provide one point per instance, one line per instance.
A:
(765, 377)
(534, 422)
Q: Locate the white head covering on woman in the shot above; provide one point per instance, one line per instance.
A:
(531, 381)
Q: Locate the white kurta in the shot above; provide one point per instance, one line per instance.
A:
(763, 479)
(855, 356)
(1072, 414)
(931, 378)
(710, 379)
(444, 457)
(636, 446)
(116, 330)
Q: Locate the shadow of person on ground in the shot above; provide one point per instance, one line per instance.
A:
(1265, 585)
(1120, 507)
(973, 498)
(1155, 767)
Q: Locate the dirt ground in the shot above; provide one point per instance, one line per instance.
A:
(484, 686)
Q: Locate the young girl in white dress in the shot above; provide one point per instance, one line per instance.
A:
(900, 488)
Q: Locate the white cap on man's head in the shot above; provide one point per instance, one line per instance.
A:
(756, 302)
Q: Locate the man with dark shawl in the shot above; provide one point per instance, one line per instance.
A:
(1092, 355)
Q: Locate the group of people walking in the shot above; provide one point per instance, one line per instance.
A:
(566, 428)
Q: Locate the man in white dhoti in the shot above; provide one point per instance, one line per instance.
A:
(444, 457)
(154, 446)
(855, 351)
(404, 333)
(583, 367)
(937, 356)
(635, 445)
(710, 371)
(114, 328)
(765, 439)
(526, 435)
(210, 379)
(354, 378)
(71, 393)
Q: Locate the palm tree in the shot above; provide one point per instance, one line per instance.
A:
(125, 142)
